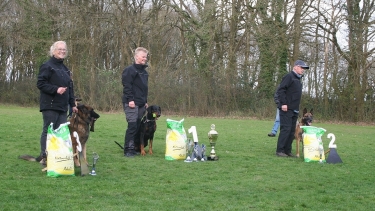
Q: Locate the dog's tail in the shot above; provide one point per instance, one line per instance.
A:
(119, 145)
(28, 158)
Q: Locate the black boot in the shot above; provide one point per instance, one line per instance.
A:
(129, 149)
(42, 159)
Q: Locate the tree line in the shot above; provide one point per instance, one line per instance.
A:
(207, 58)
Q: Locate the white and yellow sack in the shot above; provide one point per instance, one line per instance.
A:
(313, 150)
(176, 140)
(59, 151)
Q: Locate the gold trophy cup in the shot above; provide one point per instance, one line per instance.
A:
(212, 136)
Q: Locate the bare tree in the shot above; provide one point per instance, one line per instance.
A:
(353, 83)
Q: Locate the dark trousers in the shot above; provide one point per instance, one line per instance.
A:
(287, 128)
(133, 117)
(50, 116)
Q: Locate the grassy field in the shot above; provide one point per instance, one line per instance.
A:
(248, 175)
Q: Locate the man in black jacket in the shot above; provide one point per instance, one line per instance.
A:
(134, 98)
(289, 92)
(56, 92)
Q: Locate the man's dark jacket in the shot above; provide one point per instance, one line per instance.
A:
(290, 91)
(135, 84)
(52, 75)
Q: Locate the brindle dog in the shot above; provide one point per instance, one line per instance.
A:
(306, 120)
(82, 122)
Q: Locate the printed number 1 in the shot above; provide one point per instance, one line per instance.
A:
(193, 130)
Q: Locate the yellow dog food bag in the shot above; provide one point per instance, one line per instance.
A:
(313, 150)
(59, 151)
(176, 140)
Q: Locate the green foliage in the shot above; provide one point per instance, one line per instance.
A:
(248, 176)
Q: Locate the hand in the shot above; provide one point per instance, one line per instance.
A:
(146, 105)
(75, 109)
(284, 107)
(61, 90)
(131, 104)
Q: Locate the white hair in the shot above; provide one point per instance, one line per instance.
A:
(54, 46)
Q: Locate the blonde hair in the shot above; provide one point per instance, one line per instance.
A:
(140, 49)
(54, 46)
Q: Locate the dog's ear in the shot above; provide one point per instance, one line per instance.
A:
(311, 111)
(149, 109)
(304, 111)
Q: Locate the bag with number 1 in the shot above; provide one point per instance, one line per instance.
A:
(176, 140)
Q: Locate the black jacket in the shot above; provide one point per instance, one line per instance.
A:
(52, 75)
(290, 91)
(135, 84)
(276, 97)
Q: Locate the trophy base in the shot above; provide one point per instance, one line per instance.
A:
(212, 159)
(188, 160)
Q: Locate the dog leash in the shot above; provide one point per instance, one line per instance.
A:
(74, 119)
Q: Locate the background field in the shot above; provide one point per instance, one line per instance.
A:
(248, 175)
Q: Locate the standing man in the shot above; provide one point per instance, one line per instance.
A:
(56, 92)
(289, 92)
(134, 98)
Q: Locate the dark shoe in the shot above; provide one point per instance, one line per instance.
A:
(290, 155)
(281, 154)
(39, 158)
(43, 162)
(129, 155)
(271, 135)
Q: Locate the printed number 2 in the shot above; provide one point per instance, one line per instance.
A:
(331, 143)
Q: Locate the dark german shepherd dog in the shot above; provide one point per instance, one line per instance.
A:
(81, 122)
(307, 118)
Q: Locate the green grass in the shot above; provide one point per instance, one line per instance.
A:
(248, 176)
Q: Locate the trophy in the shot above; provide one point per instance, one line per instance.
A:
(189, 150)
(212, 136)
(95, 160)
(203, 156)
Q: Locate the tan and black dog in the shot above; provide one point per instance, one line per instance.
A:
(147, 129)
(307, 118)
(82, 122)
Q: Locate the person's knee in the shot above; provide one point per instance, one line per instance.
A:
(132, 126)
